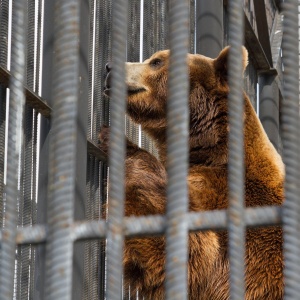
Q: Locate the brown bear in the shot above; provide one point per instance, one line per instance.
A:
(146, 179)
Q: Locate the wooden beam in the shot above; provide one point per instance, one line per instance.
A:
(262, 28)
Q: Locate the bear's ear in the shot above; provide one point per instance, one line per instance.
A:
(221, 62)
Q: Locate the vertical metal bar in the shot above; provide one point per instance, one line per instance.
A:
(103, 170)
(115, 238)
(92, 256)
(155, 38)
(4, 11)
(100, 48)
(91, 252)
(81, 148)
(102, 55)
(133, 55)
(291, 142)
(16, 106)
(27, 183)
(46, 92)
(38, 46)
(134, 22)
(151, 43)
(236, 224)
(177, 161)
(92, 45)
(148, 30)
(2, 148)
(88, 281)
(192, 25)
(209, 27)
(62, 173)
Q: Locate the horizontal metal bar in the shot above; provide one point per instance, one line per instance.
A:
(89, 230)
(32, 99)
(217, 220)
(208, 220)
(155, 224)
(31, 234)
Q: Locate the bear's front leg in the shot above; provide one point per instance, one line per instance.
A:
(145, 179)
(144, 258)
(104, 141)
(145, 192)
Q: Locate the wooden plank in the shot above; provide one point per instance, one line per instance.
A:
(255, 48)
(32, 99)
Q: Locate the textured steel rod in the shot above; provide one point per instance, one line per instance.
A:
(59, 250)
(291, 142)
(89, 230)
(4, 12)
(115, 237)
(156, 225)
(236, 219)
(177, 161)
(31, 234)
(16, 108)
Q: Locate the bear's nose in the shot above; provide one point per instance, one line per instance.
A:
(108, 67)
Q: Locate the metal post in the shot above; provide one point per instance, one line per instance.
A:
(209, 27)
(178, 151)
(291, 143)
(4, 11)
(46, 92)
(81, 145)
(236, 168)
(63, 150)
(115, 235)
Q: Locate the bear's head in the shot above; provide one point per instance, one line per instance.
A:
(147, 87)
(148, 94)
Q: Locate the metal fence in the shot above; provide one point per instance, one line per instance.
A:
(54, 243)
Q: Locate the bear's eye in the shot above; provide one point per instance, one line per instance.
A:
(156, 62)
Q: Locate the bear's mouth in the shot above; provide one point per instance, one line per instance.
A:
(131, 90)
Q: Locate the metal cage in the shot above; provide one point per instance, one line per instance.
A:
(55, 244)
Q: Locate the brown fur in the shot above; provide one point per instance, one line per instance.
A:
(144, 258)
